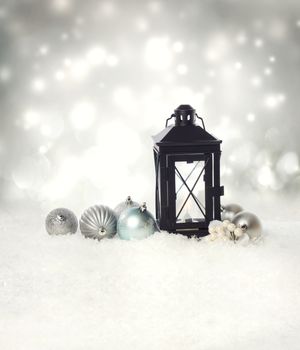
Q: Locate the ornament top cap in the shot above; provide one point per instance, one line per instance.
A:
(184, 115)
(143, 207)
(60, 218)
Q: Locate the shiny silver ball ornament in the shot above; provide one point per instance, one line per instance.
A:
(61, 221)
(229, 211)
(249, 223)
(136, 223)
(98, 222)
(129, 203)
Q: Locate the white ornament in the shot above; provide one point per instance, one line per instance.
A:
(213, 237)
(215, 223)
(207, 238)
(212, 229)
(220, 230)
(225, 223)
(238, 232)
(231, 227)
(227, 233)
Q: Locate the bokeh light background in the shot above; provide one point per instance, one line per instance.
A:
(84, 85)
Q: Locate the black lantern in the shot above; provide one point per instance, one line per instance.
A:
(187, 167)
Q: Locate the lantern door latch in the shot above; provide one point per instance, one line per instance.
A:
(216, 191)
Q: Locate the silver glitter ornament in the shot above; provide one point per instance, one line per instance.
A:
(61, 221)
(136, 223)
(98, 222)
(129, 203)
(249, 223)
(229, 211)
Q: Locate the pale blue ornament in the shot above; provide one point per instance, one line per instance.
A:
(136, 223)
(129, 203)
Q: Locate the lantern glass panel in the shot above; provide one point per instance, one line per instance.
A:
(190, 191)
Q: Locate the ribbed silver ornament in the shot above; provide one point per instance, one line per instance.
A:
(98, 222)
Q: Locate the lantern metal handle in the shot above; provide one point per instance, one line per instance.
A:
(167, 120)
(197, 116)
(201, 120)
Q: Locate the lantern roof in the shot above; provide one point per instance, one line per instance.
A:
(184, 131)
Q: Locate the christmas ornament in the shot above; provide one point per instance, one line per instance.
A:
(98, 222)
(136, 223)
(249, 223)
(216, 230)
(61, 221)
(229, 211)
(129, 203)
(225, 230)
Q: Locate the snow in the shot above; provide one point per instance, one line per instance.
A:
(165, 292)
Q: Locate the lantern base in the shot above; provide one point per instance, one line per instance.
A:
(191, 229)
(200, 232)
